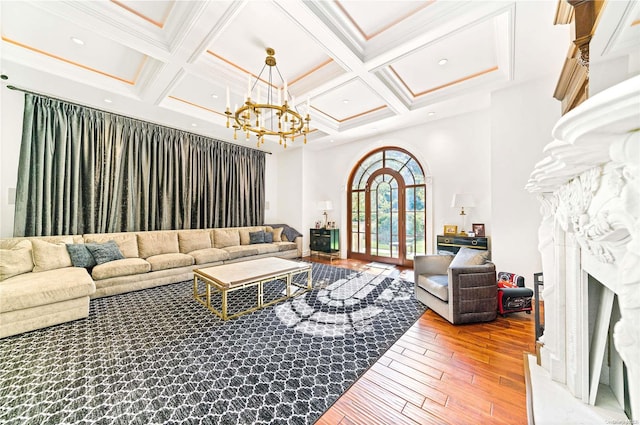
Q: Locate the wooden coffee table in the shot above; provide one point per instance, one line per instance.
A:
(246, 274)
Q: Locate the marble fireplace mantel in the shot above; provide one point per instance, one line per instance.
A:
(589, 189)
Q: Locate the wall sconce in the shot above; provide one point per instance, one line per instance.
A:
(462, 200)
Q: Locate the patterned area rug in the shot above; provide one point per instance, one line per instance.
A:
(157, 356)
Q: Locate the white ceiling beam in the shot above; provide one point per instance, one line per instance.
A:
(303, 16)
(193, 45)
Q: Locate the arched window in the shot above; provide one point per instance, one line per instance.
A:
(387, 204)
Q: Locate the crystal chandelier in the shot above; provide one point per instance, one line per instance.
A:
(275, 117)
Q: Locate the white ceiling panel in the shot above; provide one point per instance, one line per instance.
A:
(467, 53)
(371, 20)
(52, 36)
(154, 12)
(348, 101)
(260, 25)
(200, 93)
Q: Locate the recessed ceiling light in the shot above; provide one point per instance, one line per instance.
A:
(107, 100)
(431, 113)
(331, 141)
(215, 96)
(194, 124)
(443, 61)
(77, 41)
(345, 101)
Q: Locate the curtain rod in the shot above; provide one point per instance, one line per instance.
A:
(10, 87)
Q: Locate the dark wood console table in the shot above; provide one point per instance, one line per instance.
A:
(325, 241)
(454, 243)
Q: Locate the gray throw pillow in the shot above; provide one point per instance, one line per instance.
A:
(470, 257)
(268, 237)
(80, 255)
(105, 252)
(256, 237)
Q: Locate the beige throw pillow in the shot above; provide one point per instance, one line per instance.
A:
(193, 240)
(15, 261)
(49, 256)
(223, 238)
(277, 234)
(158, 242)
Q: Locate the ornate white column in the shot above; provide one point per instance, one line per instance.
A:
(590, 179)
(551, 247)
(626, 188)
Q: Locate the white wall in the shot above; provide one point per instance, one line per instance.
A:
(522, 118)
(455, 152)
(289, 192)
(11, 109)
(271, 189)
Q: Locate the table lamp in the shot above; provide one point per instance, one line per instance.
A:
(462, 200)
(326, 206)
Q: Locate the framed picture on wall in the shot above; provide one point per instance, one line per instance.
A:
(478, 229)
(450, 229)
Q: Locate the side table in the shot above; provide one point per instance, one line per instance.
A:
(325, 241)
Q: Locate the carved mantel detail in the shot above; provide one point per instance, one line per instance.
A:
(590, 179)
(599, 230)
(573, 85)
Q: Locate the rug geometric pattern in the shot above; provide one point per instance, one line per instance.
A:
(158, 357)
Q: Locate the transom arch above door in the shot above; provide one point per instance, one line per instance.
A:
(387, 207)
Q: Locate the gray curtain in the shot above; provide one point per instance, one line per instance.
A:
(83, 170)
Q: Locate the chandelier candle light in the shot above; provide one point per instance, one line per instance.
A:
(270, 118)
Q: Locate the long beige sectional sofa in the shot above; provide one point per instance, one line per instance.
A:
(39, 286)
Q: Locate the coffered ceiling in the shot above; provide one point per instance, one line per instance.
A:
(366, 66)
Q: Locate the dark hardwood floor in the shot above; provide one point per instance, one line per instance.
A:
(438, 373)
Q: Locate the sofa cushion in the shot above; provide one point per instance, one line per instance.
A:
(49, 256)
(266, 248)
(15, 261)
(223, 238)
(437, 285)
(80, 255)
(209, 255)
(105, 252)
(469, 257)
(156, 243)
(285, 246)
(193, 240)
(125, 267)
(51, 286)
(256, 237)
(169, 261)
(127, 242)
(240, 251)
(277, 234)
(268, 237)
